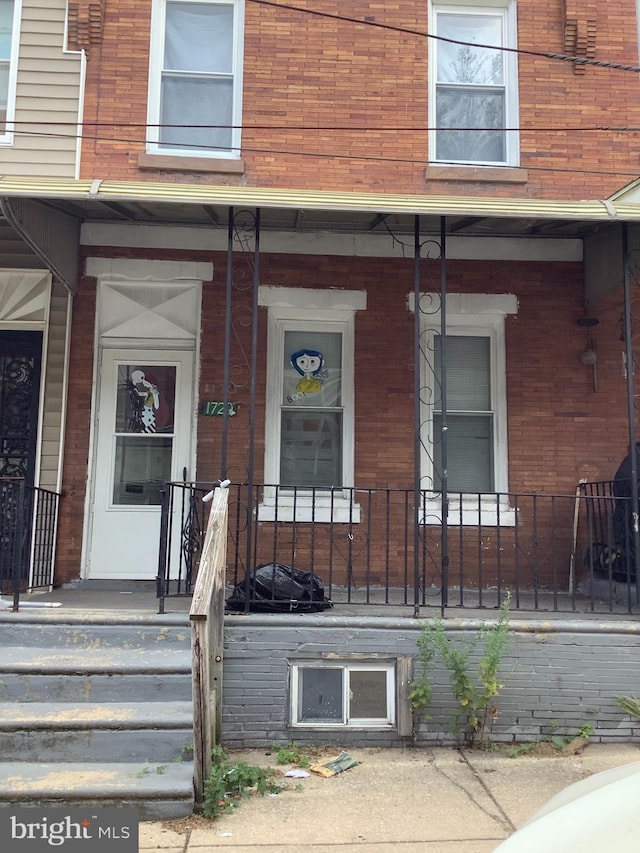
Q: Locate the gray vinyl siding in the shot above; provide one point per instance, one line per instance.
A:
(52, 419)
(48, 90)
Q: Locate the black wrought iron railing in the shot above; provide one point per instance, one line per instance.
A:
(28, 525)
(362, 545)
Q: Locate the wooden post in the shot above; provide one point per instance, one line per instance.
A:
(207, 638)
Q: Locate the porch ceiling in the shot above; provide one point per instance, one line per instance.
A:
(16, 253)
(307, 211)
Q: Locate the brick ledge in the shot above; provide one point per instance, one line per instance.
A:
(477, 174)
(173, 163)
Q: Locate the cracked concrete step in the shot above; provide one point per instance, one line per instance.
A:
(95, 630)
(52, 660)
(112, 731)
(158, 791)
(95, 687)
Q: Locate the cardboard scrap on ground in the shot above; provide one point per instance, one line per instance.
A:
(334, 765)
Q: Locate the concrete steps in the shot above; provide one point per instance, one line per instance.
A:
(95, 709)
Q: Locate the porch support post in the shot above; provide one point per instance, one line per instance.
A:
(444, 496)
(417, 410)
(252, 395)
(227, 347)
(631, 409)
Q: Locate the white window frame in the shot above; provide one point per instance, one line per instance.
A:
(468, 314)
(7, 136)
(506, 9)
(388, 667)
(325, 310)
(156, 51)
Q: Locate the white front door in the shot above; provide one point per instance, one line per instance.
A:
(143, 439)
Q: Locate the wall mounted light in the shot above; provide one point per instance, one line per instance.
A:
(589, 355)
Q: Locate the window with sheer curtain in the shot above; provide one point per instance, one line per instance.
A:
(470, 414)
(195, 86)
(8, 60)
(473, 97)
(474, 361)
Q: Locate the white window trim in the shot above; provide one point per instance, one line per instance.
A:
(507, 10)
(156, 49)
(469, 313)
(6, 138)
(330, 310)
(388, 667)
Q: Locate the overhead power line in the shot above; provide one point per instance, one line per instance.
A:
(333, 155)
(321, 128)
(561, 57)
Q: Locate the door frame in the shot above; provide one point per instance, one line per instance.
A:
(123, 272)
(151, 354)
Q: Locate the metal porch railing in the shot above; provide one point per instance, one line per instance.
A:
(28, 526)
(360, 542)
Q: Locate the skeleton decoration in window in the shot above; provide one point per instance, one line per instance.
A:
(309, 364)
(147, 411)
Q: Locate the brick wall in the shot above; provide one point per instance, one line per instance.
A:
(558, 676)
(560, 429)
(76, 445)
(305, 76)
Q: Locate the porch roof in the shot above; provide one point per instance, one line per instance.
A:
(40, 217)
(207, 204)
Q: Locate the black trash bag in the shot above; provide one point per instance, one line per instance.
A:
(276, 588)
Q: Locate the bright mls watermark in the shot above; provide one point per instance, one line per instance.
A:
(72, 830)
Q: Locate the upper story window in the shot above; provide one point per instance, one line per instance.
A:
(9, 37)
(195, 78)
(473, 84)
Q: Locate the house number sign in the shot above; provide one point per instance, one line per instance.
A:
(212, 407)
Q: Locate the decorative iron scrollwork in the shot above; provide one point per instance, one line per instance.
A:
(17, 388)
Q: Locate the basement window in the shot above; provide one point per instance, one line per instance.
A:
(358, 695)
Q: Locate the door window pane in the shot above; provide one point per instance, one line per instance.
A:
(145, 413)
(142, 464)
(146, 399)
(320, 694)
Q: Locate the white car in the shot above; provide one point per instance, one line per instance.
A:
(599, 814)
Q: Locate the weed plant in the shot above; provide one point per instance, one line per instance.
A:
(231, 781)
(476, 709)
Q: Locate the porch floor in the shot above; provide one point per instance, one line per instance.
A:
(616, 601)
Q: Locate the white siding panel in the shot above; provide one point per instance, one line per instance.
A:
(48, 90)
(54, 387)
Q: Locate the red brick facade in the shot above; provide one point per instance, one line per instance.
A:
(336, 105)
(560, 430)
(316, 87)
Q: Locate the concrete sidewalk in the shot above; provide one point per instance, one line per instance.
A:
(409, 801)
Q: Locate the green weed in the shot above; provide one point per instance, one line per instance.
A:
(476, 709)
(629, 704)
(292, 754)
(231, 781)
